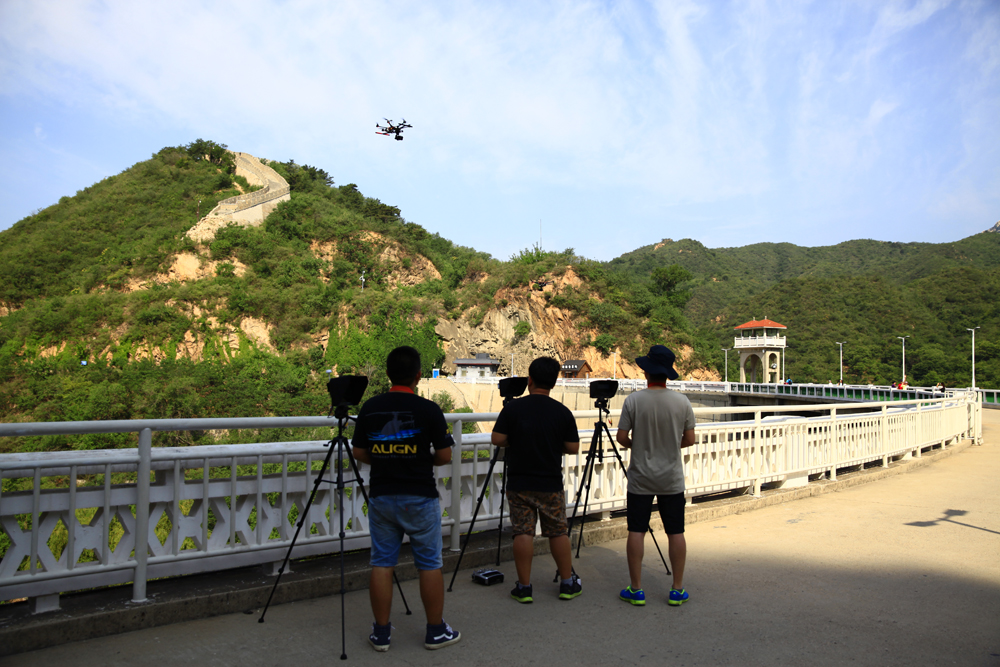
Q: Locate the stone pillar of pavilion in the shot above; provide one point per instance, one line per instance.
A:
(762, 351)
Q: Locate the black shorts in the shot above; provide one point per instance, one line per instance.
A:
(671, 512)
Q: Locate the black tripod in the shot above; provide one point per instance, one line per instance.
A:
(510, 388)
(341, 444)
(596, 453)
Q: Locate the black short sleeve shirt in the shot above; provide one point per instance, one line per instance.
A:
(401, 431)
(536, 427)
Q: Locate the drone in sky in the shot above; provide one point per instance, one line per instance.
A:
(392, 129)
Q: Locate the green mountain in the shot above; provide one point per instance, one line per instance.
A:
(864, 292)
(109, 310)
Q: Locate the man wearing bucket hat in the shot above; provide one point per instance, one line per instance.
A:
(656, 423)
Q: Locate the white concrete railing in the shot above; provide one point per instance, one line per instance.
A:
(760, 341)
(226, 506)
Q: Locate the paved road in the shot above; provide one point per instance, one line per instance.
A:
(904, 571)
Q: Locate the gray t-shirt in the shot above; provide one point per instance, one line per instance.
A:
(657, 419)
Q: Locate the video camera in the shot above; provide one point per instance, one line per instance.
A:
(345, 391)
(603, 388)
(511, 388)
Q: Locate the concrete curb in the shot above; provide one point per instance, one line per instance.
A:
(109, 611)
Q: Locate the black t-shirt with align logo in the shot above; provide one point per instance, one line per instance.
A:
(536, 427)
(400, 430)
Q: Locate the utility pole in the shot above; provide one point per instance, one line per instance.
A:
(973, 330)
(726, 350)
(841, 344)
(614, 370)
(903, 338)
(363, 280)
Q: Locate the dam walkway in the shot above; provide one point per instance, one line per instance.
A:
(904, 571)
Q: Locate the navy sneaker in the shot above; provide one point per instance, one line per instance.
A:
(637, 598)
(439, 636)
(379, 638)
(521, 593)
(568, 591)
(677, 597)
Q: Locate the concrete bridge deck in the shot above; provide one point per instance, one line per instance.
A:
(904, 571)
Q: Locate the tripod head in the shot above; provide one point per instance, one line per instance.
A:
(345, 391)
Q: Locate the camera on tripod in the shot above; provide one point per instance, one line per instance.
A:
(511, 388)
(345, 391)
(603, 388)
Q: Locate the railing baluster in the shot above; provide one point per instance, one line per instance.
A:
(142, 516)
(71, 521)
(175, 525)
(455, 512)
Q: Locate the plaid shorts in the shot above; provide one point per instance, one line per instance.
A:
(527, 506)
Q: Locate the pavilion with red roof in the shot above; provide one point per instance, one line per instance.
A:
(762, 351)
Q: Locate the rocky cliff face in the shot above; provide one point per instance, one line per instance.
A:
(554, 333)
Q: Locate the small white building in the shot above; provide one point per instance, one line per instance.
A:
(762, 351)
(483, 366)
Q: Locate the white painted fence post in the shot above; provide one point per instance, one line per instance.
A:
(142, 516)
(757, 458)
(833, 444)
(455, 512)
(884, 430)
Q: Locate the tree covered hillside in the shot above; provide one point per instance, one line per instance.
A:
(93, 279)
(863, 292)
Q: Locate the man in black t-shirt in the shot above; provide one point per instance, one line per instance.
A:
(537, 430)
(403, 436)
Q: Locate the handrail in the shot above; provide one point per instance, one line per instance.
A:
(253, 492)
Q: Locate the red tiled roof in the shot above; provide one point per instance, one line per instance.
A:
(760, 324)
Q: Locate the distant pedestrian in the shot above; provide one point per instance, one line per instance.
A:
(656, 423)
(403, 436)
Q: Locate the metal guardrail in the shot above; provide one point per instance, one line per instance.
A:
(208, 508)
(835, 392)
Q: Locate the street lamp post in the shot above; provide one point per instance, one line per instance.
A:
(973, 330)
(903, 338)
(841, 344)
(726, 350)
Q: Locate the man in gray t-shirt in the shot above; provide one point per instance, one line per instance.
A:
(656, 423)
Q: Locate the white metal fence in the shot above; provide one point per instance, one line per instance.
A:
(208, 508)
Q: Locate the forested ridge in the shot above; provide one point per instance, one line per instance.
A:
(863, 292)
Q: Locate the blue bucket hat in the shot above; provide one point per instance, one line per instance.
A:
(659, 361)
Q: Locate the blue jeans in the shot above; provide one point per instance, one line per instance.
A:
(419, 517)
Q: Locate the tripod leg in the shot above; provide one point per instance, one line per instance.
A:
(621, 462)
(298, 529)
(340, 507)
(503, 495)
(579, 493)
(364, 494)
(596, 449)
(468, 536)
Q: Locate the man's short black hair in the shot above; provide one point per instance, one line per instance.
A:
(403, 365)
(544, 371)
(659, 377)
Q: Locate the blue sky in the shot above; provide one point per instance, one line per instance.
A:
(615, 124)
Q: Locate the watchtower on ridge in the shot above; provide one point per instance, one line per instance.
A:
(762, 354)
